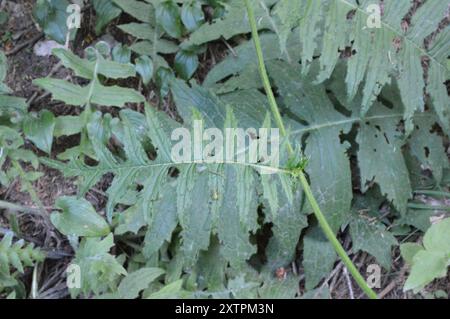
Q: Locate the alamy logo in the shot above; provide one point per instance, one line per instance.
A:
(232, 145)
(73, 272)
(74, 18)
(374, 18)
(374, 278)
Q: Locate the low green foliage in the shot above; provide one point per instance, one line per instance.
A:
(99, 269)
(52, 17)
(430, 260)
(14, 257)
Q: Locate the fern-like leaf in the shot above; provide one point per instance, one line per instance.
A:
(17, 255)
(401, 47)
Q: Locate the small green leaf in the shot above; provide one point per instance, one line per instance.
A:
(427, 266)
(409, 250)
(40, 130)
(163, 78)
(64, 91)
(144, 66)
(106, 11)
(52, 16)
(115, 95)
(170, 291)
(372, 237)
(104, 48)
(143, 31)
(429, 263)
(192, 15)
(168, 17)
(186, 63)
(137, 281)
(438, 237)
(78, 218)
(161, 46)
(140, 10)
(121, 53)
(99, 269)
(68, 125)
(102, 95)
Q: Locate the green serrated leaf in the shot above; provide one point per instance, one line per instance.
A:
(40, 130)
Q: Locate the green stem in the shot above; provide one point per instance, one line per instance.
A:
(18, 208)
(334, 241)
(433, 193)
(264, 76)
(428, 207)
(307, 189)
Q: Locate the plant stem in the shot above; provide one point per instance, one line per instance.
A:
(333, 240)
(433, 193)
(307, 189)
(265, 77)
(428, 207)
(18, 208)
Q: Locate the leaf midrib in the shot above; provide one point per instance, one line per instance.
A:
(171, 164)
(254, 166)
(350, 121)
